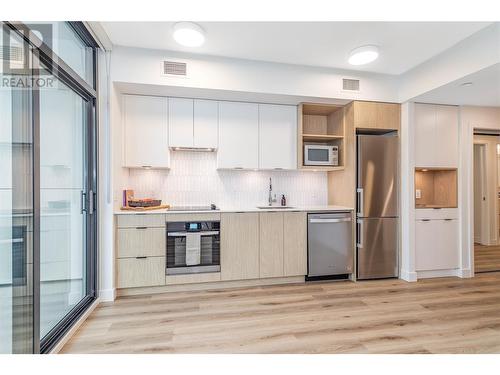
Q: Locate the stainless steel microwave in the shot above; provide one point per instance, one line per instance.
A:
(321, 155)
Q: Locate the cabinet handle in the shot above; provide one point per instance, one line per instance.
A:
(140, 257)
(141, 228)
(426, 219)
(448, 219)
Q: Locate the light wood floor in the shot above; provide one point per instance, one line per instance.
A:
(486, 258)
(448, 315)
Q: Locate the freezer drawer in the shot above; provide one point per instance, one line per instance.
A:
(329, 244)
(377, 248)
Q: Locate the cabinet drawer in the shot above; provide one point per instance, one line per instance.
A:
(140, 220)
(436, 214)
(132, 242)
(133, 272)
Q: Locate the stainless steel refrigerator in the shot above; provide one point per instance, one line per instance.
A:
(377, 206)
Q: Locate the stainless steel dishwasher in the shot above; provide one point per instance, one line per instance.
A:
(329, 244)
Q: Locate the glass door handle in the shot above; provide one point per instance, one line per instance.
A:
(91, 202)
(83, 202)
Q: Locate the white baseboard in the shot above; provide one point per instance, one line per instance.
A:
(75, 327)
(438, 273)
(465, 273)
(408, 276)
(107, 295)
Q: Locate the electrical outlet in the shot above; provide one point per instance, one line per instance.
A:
(418, 194)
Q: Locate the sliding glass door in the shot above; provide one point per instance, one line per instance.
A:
(48, 221)
(16, 206)
(63, 168)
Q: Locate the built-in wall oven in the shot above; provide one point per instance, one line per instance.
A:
(193, 247)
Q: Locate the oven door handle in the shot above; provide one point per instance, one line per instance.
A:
(184, 234)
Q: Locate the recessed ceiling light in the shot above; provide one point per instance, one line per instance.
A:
(466, 84)
(363, 55)
(189, 34)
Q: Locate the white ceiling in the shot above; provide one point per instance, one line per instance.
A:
(403, 45)
(485, 90)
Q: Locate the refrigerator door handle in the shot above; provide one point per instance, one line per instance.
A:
(359, 192)
(359, 244)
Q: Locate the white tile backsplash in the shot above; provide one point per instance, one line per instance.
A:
(194, 180)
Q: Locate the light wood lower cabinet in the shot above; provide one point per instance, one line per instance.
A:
(141, 241)
(295, 243)
(271, 244)
(239, 246)
(140, 272)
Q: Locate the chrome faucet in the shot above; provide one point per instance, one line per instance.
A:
(270, 198)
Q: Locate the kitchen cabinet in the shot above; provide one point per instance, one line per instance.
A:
(436, 244)
(140, 241)
(145, 132)
(140, 272)
(436, 136)
(277, 136)
(238, 136)
(295, 243)
(140, 250)
(271, 244)
(180, 122)
(206, 123)
(192, 123)
(239, 246)
(374, 115)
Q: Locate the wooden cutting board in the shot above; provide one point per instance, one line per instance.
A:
(161, 207)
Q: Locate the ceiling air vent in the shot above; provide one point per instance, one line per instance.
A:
(350, 84)
(174, 68)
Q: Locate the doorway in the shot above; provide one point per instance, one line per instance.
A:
(486, 202)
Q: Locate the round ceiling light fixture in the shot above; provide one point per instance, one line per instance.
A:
(189, 34)
(363, 55)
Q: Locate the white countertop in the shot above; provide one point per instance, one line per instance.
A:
(243, 209)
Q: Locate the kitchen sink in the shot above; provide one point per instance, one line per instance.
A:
(273, 207)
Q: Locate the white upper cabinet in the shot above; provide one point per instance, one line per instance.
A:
(436, 136)
(206, 123)
(238, 135)
(447, 136)
(145, 132)
(180, 122)
(192, 123)
(277, 136)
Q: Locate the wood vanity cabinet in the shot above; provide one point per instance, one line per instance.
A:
(239, 246)
(375, 115)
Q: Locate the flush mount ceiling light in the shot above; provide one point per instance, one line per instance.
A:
(363, 55)
(189, 34)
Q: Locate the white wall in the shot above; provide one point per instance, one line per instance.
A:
(407, 263)
(143, 66)
(105, 181)
(477, 52)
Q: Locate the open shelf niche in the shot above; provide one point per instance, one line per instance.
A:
(321, 124)
(435, 188)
